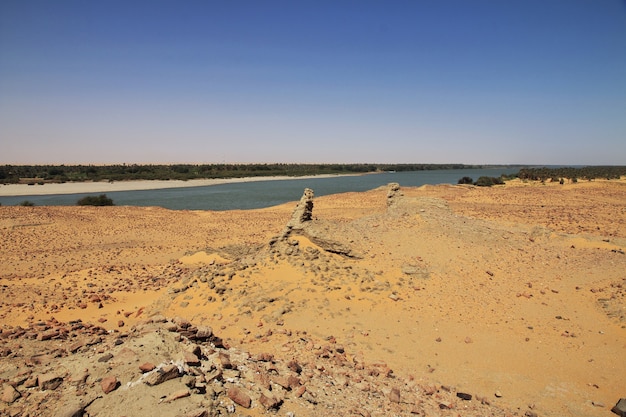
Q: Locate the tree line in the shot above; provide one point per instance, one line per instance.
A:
(13, 174)
(572, 173)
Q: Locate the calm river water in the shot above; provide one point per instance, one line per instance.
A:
(258, 194)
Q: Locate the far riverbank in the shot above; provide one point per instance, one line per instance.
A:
(17, 190)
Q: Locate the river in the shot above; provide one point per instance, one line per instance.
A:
(259, 193)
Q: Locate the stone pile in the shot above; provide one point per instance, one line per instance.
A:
(172, 367)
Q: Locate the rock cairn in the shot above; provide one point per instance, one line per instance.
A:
(393, 193)
(302, 214)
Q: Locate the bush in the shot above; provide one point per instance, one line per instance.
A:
(488, 181)
(27, 203)
(466, 180)
(101, 200)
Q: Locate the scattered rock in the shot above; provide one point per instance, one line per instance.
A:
(239, 396)
(146, 367)
(109, 384)
(394, 395)
(620, 407)
(177, 395)
(10, 394)
(160, 375)
(73, 409)
(464, 396)
(49, 381)
(269, 402)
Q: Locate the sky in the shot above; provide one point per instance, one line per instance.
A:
(345, 81)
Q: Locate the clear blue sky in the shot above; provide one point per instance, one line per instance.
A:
(499, 81)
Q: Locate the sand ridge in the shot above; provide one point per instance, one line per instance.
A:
(517, 290)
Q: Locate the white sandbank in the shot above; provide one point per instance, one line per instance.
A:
(11, 190)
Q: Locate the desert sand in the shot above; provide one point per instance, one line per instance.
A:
(389, 302)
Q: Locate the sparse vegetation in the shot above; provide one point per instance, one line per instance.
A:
(588, 173)
(488, 181)
(466, 180)
(101, 200)
(27, 203)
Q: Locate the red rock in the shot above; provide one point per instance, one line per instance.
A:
(239, 397)
(204, 332)
(394, 395)
(146, 367)
(177, 395)
(298, 392)
(161, 375)
(49, 381)
(264, 357)
(269, 402)
(224, 360)
(10, 394)
(48, 334)
(181, 322)
(109, 383)
(30, 382)
(294, 366)
(120, 323)
(190, 358)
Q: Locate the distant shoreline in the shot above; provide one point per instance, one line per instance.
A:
(17, 190)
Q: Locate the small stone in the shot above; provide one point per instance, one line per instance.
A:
(464, 396)
(109, 383)
(269, 402)
(49, 381)
(298, 392)
(74, 409)
(394, 395)
(161, 375)
(177, 395)
(190, 358)
(498, 394)
(201, 412)
(265, 357)
(10, 394)
(239, 396)
(31, 382)
(620, 407)
(225, 360)
(146, 367)
(181, 322)
(530, 414)
(48, 334)
(105, 358)
(204, 332)
(120, 323)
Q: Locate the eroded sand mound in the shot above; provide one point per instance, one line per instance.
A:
(516, 291)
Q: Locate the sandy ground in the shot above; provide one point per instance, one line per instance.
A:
(517, 290)
(7, 190)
